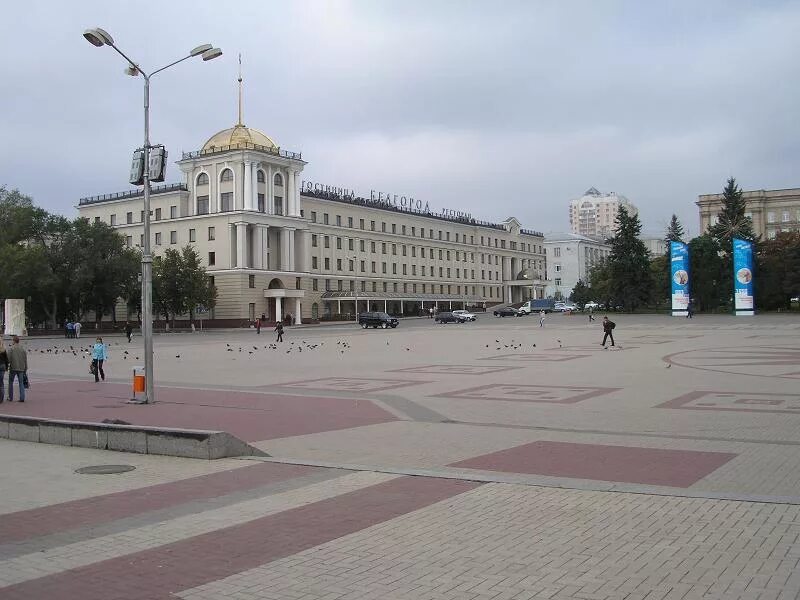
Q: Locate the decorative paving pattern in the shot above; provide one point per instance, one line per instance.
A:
(662, 339)
(620, 344)
(350, 384)
(760, 361)
(453, 369)
(737, 401)
(651, 466)
(536, 357)
(551, 394)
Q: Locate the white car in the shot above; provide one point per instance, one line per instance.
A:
(464, 315)
(592, 305)
(565, 307)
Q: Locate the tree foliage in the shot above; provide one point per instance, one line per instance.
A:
(581, 293)
(731, 220)
(180, 284)
(708, 274)
(777, 278)
(631, 284)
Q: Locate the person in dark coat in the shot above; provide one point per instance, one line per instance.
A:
(128, 331)
(3, 368)
(258, 326)
(608, 331)
(279, 329)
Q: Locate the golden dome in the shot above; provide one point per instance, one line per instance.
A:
(234, 136)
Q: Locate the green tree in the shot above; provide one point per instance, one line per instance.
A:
(199, 289)
(180, 283)
(629, 260)
(600, 282)
(708, 277)
(581, 293)
(660, 274)
(731, 220)
(778, 274)
(674, 232)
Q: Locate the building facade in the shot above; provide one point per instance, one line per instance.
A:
(656, 246)
(772, 211)
(277, 245)
(570, 257)
(595, 213)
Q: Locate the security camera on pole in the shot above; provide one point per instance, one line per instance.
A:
(150, 170)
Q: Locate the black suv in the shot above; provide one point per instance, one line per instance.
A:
(377, 319)
(448, 317)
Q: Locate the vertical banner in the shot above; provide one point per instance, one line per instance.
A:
(743, 277)
(679, 271)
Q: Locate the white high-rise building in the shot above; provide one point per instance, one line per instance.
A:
(594, 213)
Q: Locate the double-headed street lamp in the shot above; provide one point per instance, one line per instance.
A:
(98, 37)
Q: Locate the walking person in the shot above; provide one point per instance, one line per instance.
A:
(541, 318)
(258, 326)
(99, 356)
(77, 327)
(128, 331)
(17, 367)
(3, 369)
(591, 316)
(279, 329)
(608, 331)
(70, 329)
(689, 310)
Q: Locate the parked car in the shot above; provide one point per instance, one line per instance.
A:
(592, 305)
(465, 315)
(564, 307)
(507, 311)
(447, 317)
(377, 319)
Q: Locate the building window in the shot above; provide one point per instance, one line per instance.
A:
(262, 202)
(313, 240)
(383, 227)
(374, 286)
(97, 219)
(226, 175)
(556, 252)
(129, 240)
(338, 264)
(260, 176)
(558, 268)
(785, 217)
(251, 281)
(363, 266)
(113, 219)
(327, 264)
(374, 264)
(141, 240)
(202, 179)
(173, 212)
(350, 222)
(315, 285)
(383, 248)
(363, 286)
(361, 223)
(403, 230)
(129, 218)
(338, 243)
(558, 280)
(141, 216)
(324, 218)
(326, 241)
(313, 216)
(361, 245)
(770, 217)
(372, 225)
(211, 233)
(226, 201)
(313, 262)
(351, 265)
(383, 268)
(350, 244)
(278, 205)
(278, 179)
(338, 220)
(202, 205)
(158, 214)
(173, 237)
(212, 258)
(394, 249)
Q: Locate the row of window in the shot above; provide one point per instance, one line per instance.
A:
(173, 237)
(395, 287)
(786, 216)
(424, 270)
(173, 214)
(226, 203)
(227, 175)
(444, 236)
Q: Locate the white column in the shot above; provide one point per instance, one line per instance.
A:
(270, 191)
(278, 309)
(296, 188)
(508, 287)
(254, 185)
(261, 246)
(241, 245)
(284, 249)
(385, 308)
(232, 244)
(288, 192)
(248, 185)
(292, 262)
(298, 319)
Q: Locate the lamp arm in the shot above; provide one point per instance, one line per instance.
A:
(170, 65)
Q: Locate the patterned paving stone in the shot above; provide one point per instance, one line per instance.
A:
(529, 393)
(737, 402)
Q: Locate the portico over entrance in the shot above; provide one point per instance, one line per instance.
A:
(275, 295)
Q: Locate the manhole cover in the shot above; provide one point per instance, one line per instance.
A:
(104, 469)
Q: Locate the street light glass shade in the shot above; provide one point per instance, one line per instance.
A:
(131, 70)
(98, 37)
(200, 49)
(212, 54)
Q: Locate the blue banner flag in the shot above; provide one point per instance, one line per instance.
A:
(679, 272)
(743, 277)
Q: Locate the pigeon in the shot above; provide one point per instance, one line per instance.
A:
(669, 365)
(177, 356)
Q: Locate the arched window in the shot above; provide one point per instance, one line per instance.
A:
(278, 179)
(260, 176)
(315, 311)
(227, 175)
(202, 179)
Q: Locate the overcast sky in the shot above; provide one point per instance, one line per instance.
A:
(496, 108)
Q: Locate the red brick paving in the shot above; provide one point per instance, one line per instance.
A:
(158, 573)
(109, 507)
(652, 466)
(249, 416)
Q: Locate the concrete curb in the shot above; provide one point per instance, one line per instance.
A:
(185, 443)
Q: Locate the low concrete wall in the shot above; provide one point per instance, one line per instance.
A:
(187, 443)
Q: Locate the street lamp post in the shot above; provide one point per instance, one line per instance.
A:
(99, 37)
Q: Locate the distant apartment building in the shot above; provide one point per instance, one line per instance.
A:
(655, 244)
(570, 257)
(595, 212)
(772, 211)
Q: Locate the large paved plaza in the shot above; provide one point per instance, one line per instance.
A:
(489, 460)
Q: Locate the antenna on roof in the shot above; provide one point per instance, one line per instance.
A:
(240, 88)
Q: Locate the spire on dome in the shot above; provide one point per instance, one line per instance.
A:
(240, 89)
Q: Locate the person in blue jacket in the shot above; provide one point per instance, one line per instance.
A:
(99, 355)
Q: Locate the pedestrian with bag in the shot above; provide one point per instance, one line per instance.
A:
(258, 326)
(279, 329)
(99, 356)
(608, 331)
(128, 331)
(3, 369)
(17, 367)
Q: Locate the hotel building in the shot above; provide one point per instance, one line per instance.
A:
(275, 244)
(771, 211)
